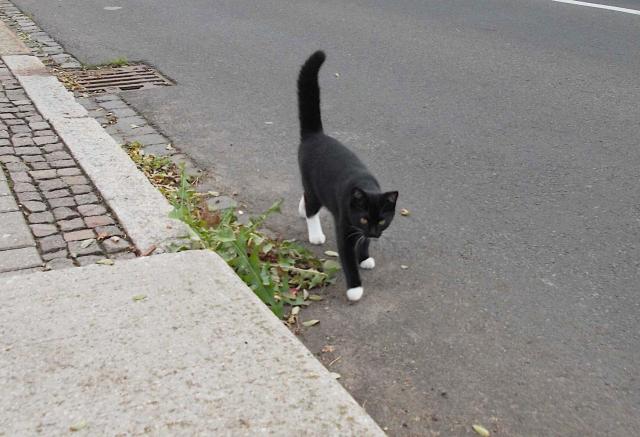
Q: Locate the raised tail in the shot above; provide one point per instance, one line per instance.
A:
(309, 95)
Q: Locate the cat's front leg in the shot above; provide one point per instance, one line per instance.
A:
(349, 261)
(366, 261)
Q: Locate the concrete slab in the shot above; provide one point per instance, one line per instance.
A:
(14, 232)
(4, 187)
(7, 204)
(14, 259)
(169, 344)
(10, 44)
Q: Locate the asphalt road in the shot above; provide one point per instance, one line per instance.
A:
(511, 129)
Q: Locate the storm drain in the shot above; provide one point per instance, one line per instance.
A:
(127, 78)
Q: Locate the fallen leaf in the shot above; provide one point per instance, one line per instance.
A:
(403, 267)
(268, 122)
(305, 294)
(149, 250)
(105, 262)
(102, 236)
(310, 322)
(139, 297)
(169, 147)
(316, 297)
(405, 212)
(330, 265)
(87, 243)
(213, 193)
(78, 426)
(295, 311)
(337, 74)
(134, 126)
(335, 375)
(328, 348)
(331, 253)
(481, 430)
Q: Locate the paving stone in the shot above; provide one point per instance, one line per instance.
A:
(43, 229)
(30, 159)
(14, 232)
(18, 259)
(106, 98)
(91, 210)
(84, 199)
(44, 133)
(123, 255)
(55, 147)
(19, 128)
(88, 260)
(85, 247)
(113, 104)
(75, 180)
(116, 244)
(20, 176)
(158, 150)
(83, 234)
(150, 139)
(63, 253)
(6, 151)
(64, 213)
(52, 243)
(43, 174)
(40, 217)
(33, 206)
(123, 112)
(60, 263)
(40, 141)
(80, 189)
(52, 184)
(71, 171)
(40, 165)
(98, 220)
(4, 186)
(39, 125)
(63, 163)
(6, 159)
(31, 195)
(57, 156)
(22, 187)
(62, 201)
(5, 142)
(71, 225)
(108, 231)
(21, 142)
(56, 194)
(27, 151)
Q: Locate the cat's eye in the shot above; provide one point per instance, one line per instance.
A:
(364, 221)
(381, 222)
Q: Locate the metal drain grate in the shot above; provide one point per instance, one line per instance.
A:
(130, 77)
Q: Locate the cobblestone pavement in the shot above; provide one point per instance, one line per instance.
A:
(50, 214)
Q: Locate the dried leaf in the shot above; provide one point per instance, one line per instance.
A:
(295, 311)
(305, 294)
(331, 253)
(311, 322)
(328, 348)
(481, 430)
(403, 267)
(102, 236)
(404, 212)
(148, 251)
(316, 297)
(335, 375)
(105, 262)
(139, 297)
(87, 243)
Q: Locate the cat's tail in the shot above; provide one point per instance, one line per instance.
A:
(309, 95)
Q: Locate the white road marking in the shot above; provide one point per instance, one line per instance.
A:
(599, 6)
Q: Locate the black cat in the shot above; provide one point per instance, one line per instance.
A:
(334, 177)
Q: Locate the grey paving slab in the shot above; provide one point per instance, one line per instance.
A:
(149, 348)
(4, 188)
(17, 259)
(14, 232)
(7, 204)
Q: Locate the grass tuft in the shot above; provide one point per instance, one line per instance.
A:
(280, 272)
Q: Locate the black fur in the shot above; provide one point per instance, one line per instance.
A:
(334, 177)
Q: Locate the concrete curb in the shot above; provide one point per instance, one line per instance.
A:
(173, 344)
(140, 208)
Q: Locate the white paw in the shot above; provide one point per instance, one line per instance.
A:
(354, 294)
(317, 239)
(302, 212)
(368, 263)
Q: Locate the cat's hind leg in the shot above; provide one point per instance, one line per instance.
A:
(312, 214)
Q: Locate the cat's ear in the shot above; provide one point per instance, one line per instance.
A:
(391, 197)
(358, 198)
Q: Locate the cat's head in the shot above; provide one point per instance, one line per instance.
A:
(372, 212)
